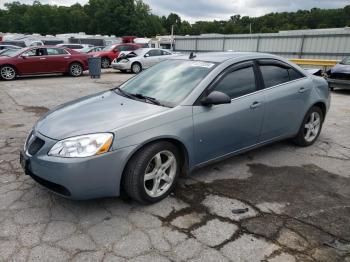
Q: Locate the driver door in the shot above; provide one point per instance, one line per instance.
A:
(223, 129)
(33, 61)
(153, 58)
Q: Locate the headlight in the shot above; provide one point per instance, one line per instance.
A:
(83, 146)
(124, 61)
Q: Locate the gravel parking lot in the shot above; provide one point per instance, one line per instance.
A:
(276, 203)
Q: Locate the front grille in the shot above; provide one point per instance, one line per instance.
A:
(35, 145)
(50, 185)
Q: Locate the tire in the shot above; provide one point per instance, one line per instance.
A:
(136, 68)
(161, 161)
(8, 73)
(105, 62)
(310, 128)
(76, 70)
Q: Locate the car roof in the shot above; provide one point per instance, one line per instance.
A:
(220, 57)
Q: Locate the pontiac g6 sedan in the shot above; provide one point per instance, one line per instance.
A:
(174, 117)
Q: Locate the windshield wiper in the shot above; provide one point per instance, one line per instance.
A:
(138, 96)
(124, 93)
(147, 98)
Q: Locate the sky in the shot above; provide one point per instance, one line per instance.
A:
(194, 10)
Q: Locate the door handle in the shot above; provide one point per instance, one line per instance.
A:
(42, 58)
(256, 104)
(302, 89)
(66, 57)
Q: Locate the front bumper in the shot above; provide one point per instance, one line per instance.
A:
(76, 178)
(121, 66)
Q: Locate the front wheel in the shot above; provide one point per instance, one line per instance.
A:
(7, 73)
(105, 62)
(136, 68)
(310, 128)
(151, 174)
(76, 69)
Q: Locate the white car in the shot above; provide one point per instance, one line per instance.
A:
(82, 48)
(140, 59)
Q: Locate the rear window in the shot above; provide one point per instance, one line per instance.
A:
(275, 75)
(56, 51)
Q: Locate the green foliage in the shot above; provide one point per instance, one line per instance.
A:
(133, 17)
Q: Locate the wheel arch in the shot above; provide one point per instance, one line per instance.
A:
(137, 62)
(15, 67)
(322, 106)
(175, 141)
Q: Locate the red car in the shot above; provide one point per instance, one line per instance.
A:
(109, 53)
(42, 60)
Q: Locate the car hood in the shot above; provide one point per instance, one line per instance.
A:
(341, 69)
(101, 112)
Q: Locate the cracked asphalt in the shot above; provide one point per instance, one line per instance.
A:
(276, 203)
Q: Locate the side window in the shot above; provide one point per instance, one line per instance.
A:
(238, 83)
(294, 74)
(121, 48)
(30, 53)
(274, 75)
(35, 52)
(56, 51)
(155, 52)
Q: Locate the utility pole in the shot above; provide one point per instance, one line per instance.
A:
(172, 38)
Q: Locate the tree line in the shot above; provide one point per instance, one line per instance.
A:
(133, 17)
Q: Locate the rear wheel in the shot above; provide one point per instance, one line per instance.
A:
(151, 174)
(7, 73)
(310, 128)
(136, 68)
(105, 62)
(76, 69)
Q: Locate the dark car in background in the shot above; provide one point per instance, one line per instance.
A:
(109, 53)
(42, 60)
(339, 75)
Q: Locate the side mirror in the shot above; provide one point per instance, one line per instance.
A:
(23, 56)
(146, 55)
(216, 98)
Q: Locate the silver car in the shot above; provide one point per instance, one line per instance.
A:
(177, 116)
(140, 59)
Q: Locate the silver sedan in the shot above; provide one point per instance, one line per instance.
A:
(141, 59)
(177, 116)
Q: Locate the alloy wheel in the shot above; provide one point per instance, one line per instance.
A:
(160, 173)
(8, 73)
(76, 70)
(105, 63)
(312, 127)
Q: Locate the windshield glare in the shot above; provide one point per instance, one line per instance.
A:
(346, 61)
(170, 81)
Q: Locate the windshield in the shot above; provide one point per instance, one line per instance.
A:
(170, 81)
(12, 52)
(108, 48)
(346, 61)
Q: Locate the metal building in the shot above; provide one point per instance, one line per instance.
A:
(331, 43)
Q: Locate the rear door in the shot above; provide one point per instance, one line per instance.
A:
(58, 60)
(223, 129)
(287, 92)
